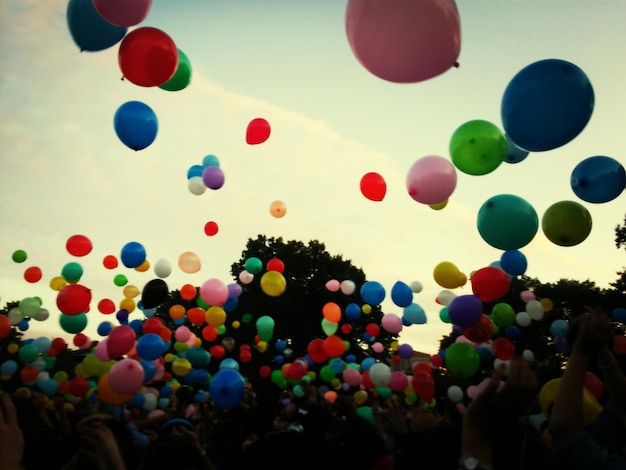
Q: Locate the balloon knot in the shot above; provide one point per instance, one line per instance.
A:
(456, 65)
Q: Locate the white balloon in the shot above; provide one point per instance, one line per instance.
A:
(162, 268)
(347, 287)
(416, 287)
(523, 319)
(380, 374)
(528, 355)
(534, 309)
(455, 393)
(196, 185)
(446, 297)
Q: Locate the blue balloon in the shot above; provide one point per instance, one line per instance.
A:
(546, 105)
(104, 328)
(352, 311)
(133, 254)
(401, 294)
(414, 314)
(149, 370)
(619, 314)
(226, 388)
(513, 262)
(465, 310)
(598, 179)
(8, 367)
(136, 124)
(89, 30)
(194, 170)
(514, 154)
(150, 346)
(372, 292)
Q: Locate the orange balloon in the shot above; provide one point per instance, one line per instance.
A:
(332, 312)
(188, 292)
(110, 396)
(278, 209)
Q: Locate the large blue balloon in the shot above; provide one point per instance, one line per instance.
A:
(507, 222)
(598, 179)
(401, 294)
(513, 262)
(136, 124)
(546, 105)
(372, 292)
(226, 388)
(133, 254)
(90, 31)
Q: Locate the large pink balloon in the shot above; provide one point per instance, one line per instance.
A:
(214, 292)
(123, 12)
(404, 41)
(431, 180)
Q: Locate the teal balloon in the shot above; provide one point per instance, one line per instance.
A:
(182, 77)
(72, 272)
(414, 314)
(253, 265)
(514, 154)
(28, 353)
(477, 147)
(89, 30)
(507, 222)
(73, 323)
(566, 223)
(462, 360)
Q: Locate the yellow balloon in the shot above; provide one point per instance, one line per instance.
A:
(12, 348)
(127, 304)
(143, 267)
(447, 275)
(215, 316)
(181, 366)
(366, 309)
(360, 397)
(131, 291)
(261, 346)
(57, 283)
(591, 406)
(439, 205)
(546, 304)
(273, 283)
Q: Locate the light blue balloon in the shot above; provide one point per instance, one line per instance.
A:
(414, 314)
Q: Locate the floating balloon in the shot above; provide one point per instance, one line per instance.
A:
(213, 177)
(226, 388)
(477, 147)
(513, 262)
(123, 12)
(19, 256)
(507, 222)
(401, 294)
(182, 77)
(424, 385)
(78, 245)
(148, 57)
(514, 154)
(120, 341)
(273, 283)
(135, 124)
(189, 262)
(133, 254)
(278, 209)
(33, 274)
(431, 180)
(373, 186)
(214, 292)
(490, 283)
(211, 228)
(480, 331)
(465, 310)
(154, 293)
(404, 41)
(598, 179)
(372, 292)
(196, 185)
(566, 223)
(447, 275)
(253, 265)
(414, 314)
(462, 360)
(89, 30)
(546, 105)
(162, 268)
(73, 299)
(258, 131)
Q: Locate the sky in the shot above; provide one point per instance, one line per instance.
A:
(64, 171)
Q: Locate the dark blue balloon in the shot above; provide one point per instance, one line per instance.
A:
(465, 310)
(353, 311)
(90, 31)
(619, 314)
(149, 346)
(226, 388)
(372, 292)
(598, 179)
(513, 262)
(546, 105)
(401, 294)
(133, 254)
(136, 124)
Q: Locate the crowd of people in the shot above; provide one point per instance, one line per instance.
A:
(496, 429)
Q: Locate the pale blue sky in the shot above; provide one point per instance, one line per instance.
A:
(64, 171)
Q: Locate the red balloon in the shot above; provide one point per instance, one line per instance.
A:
(123, 12)
(5, 326)
(211, 228)
(74, 299)
(33, 274)
(276, 265)
(106, 306)
(316, 350)
(373, 186)
(258, 131)
(424, 385)
(504, 349)
(120, 341)
(148, 57)
(404, 41)
(490, 283)
(110, 262)
(78, 245)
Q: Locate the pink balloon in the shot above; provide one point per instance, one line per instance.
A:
(126, 376)
(431, 179)
(214, 292)
(123, 12)
(404, 41)
(399, 381)
(392, 323)
(332, 285)
(352, 377)
(102, 352)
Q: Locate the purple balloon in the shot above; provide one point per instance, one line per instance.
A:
(465, 310)
(213, 177)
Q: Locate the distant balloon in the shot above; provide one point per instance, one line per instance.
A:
(546, 105)
(372, 292)
(513, 262)
(133, 254)
(598, 179)
(136, 124)
(213, 177)
(89, 30)
(123, 12)
(477, 147)
(404, 41)
(278, 209)
(154, 293)
(258, 131)
(401, 294)
(507, 222)
(148, 57)
(182, 77)
(431, 180)
(189, 262)
(78, 245)
(211, 228)
(566, 223)
(514, 154)
(490, 283)
(448, 275)
(373, 186)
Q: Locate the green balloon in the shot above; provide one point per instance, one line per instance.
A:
(182, 77)
(503, 314)
(478, 147)
(73, 323)
(566, 223)
(19, 256)
(462, 360)
(28, 353)
(253, 265)
(507, 222)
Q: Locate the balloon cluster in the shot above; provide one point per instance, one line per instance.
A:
(207, 175)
